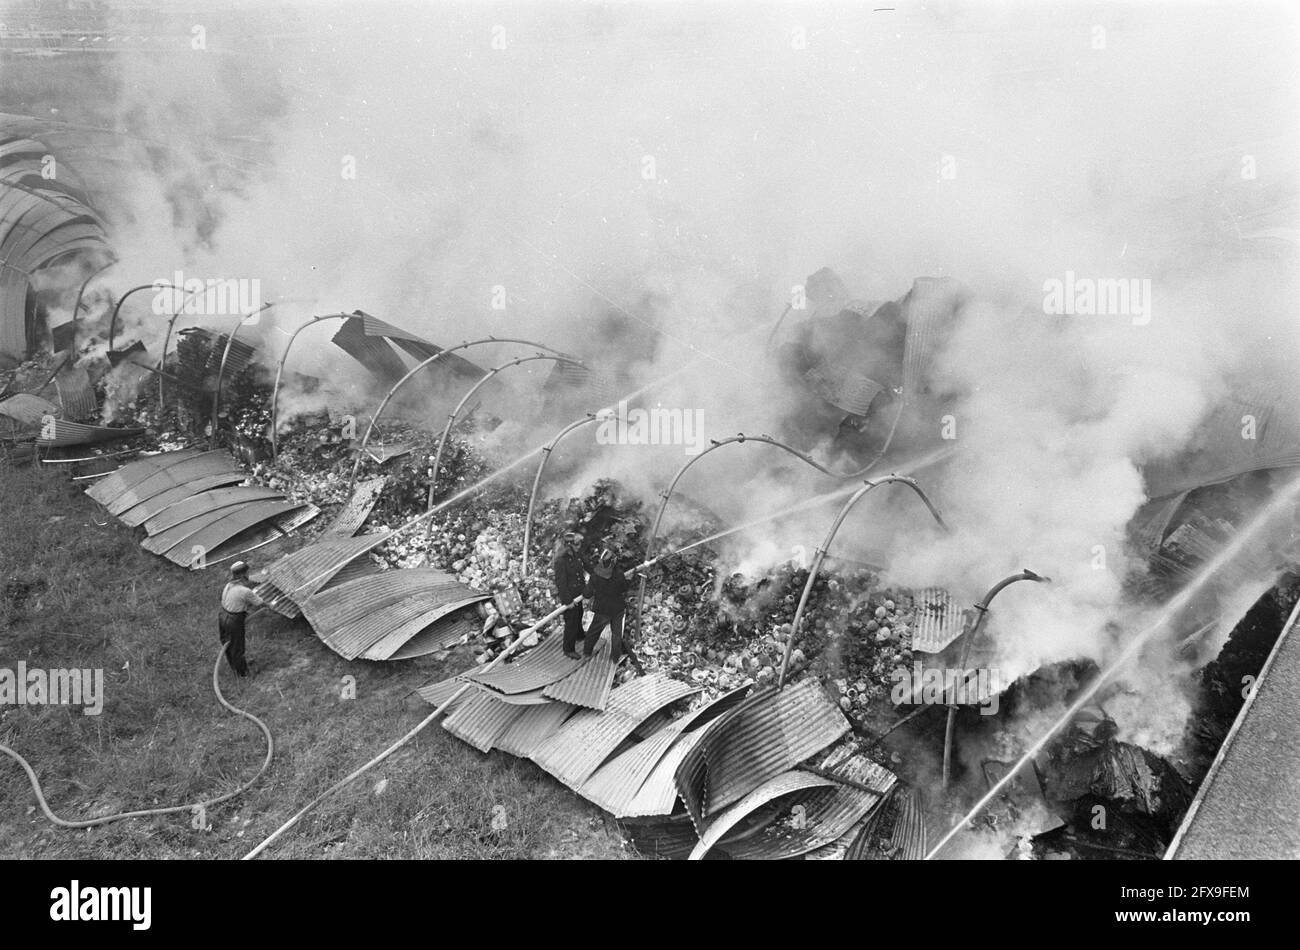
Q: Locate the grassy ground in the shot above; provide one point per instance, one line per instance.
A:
(78, 594)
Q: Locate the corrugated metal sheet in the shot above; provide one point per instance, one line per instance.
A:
(295, 577)
(447, 632)
(419, 347)
(936, 621)
(658, 794)
(211, 536)
(76, 394)
(350, 618)
(617, 783)
(671, 838)
(534, 726)
(139, 514)
(207, 501)
(163, 541)
(586, 740)
(254, 537)
(588, 685)
(22, 413)
(40, 220)
(895, 831)
(77, 433)
(539, 667)
(766, 734)
(373, 352)
(481, 720)
(133, 473)
(930, 309)
(534, 698)
(242, 354)
(421, 615)
(435, 694)
(824, 816)
(787, 783)
(843, 386)
(209, 463)
(354, 514)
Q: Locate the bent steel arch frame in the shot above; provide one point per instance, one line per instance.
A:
(825, 548)
(537, 481)
(983, 608)
(279, 372)
(451, 416)
(370, 426)
(667, 494)
(112, 321)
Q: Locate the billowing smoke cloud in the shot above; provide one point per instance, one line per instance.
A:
(644, 186)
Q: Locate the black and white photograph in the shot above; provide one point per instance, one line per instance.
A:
(641, 431)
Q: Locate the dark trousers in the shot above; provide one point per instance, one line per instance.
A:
(231, 626)
(572, 627)
(598, 624)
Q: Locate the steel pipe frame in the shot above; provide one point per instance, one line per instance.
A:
(451, 416)
(983, 608)
(667, 493)
(537, 481)
(221, 370)
(825, 548)
(112, 321)
(279, 372)
(370, 426)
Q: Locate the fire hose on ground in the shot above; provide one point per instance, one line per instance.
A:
(424, 723)
(170, 809)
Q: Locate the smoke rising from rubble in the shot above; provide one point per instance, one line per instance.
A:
(525, 168)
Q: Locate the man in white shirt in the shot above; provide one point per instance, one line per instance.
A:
(237, 598)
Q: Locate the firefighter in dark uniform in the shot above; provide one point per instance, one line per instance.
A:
(570, 582)
(607, 588)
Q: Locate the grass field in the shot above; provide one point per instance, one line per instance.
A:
(78, 593)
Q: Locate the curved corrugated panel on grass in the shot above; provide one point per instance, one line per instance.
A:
(768, 733)
(481, 719)
(209, 463)
(137, 515)
(295, 577)
(207, 501)
(210, 537)
(22, 413)
(133, 473)
(387, 630)
(444, 633)
(533, 727)
(257, 535)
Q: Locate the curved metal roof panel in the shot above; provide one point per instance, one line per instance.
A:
(539, 667)
(481, 719)
(337, 608)
(579, 747)
(779, 786)
(765, 735)
(131, 474)
(588, 685)
(256, 535)
(533, 727)
(137, 515)
(202, 545)
(384, 630)
(209, 463)
(893, 832)
(444, 632)
(298, 575)
(206, 501)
